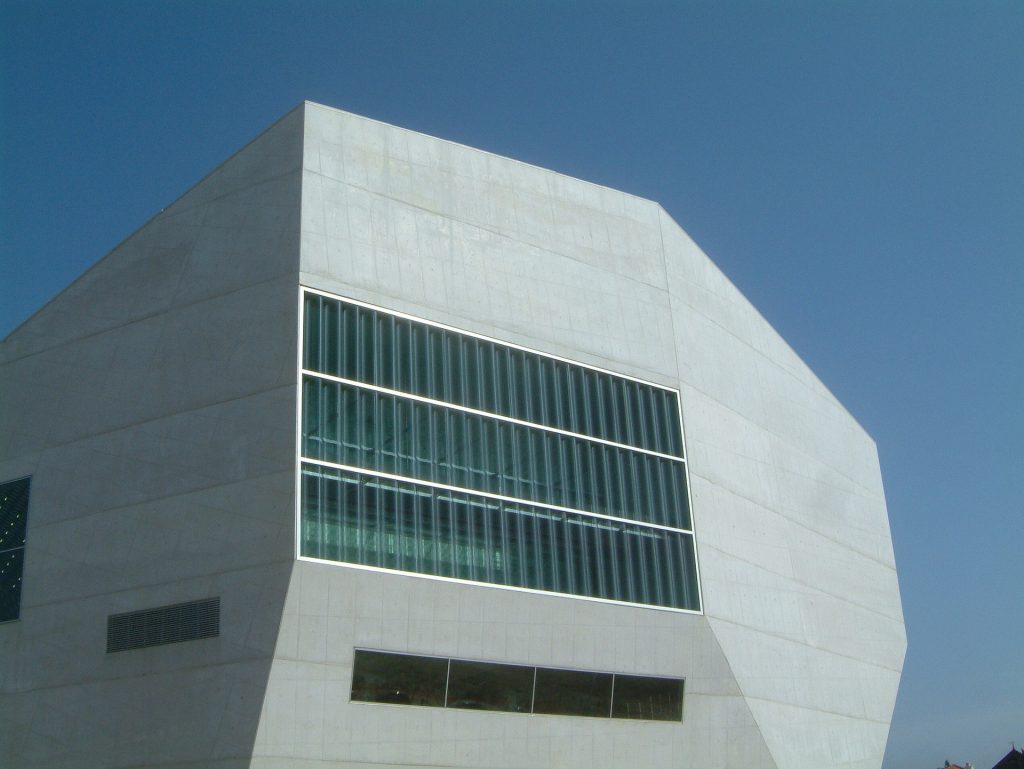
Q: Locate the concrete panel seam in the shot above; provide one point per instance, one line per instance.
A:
(810, 587)
(161, 417)
(817, 709)
(761, 631)
(265, 563)
(166, 215)
(799, 524)
(142, 318)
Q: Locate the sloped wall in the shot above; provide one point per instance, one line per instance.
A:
(798, 574)
(152, 402)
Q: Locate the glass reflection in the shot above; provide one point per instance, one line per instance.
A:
(572, 693)
(406, 679)
(399, 679)
(487, 686)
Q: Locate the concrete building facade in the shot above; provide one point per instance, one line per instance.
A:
(163, 410)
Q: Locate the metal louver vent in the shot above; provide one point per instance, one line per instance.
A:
(163, 625)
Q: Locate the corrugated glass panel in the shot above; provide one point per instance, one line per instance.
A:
(396, 525)
(377, 431)
(372, 521)
(369, 345)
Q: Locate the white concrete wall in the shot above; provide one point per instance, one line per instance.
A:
(309, 721)
(793, 536)
(797, 660)
(152, 402)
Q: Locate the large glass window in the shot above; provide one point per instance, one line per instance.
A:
(365, 519)
(372, 346)
(438, 452)
(352, 426)
(13, 529)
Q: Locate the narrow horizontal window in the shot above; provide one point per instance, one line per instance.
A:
(410, 679)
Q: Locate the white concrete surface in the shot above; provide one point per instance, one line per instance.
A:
(153, 402)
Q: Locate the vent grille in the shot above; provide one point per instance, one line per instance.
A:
(163, 625)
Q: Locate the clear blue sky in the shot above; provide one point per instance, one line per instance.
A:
(856, 168)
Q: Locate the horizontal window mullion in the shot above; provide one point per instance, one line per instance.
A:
(357, 340)
(496, 497)
(380, 430)
(491, 415)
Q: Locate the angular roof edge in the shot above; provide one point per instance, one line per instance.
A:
(481, 151)
(99, 260)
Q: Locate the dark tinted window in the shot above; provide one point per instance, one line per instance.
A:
(404, 679)
(572, 693)
(653, 699)
(399, 679)
(11, 564)
(486, 686)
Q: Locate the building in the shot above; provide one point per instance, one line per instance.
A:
(1012, 760)
(595, 511)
